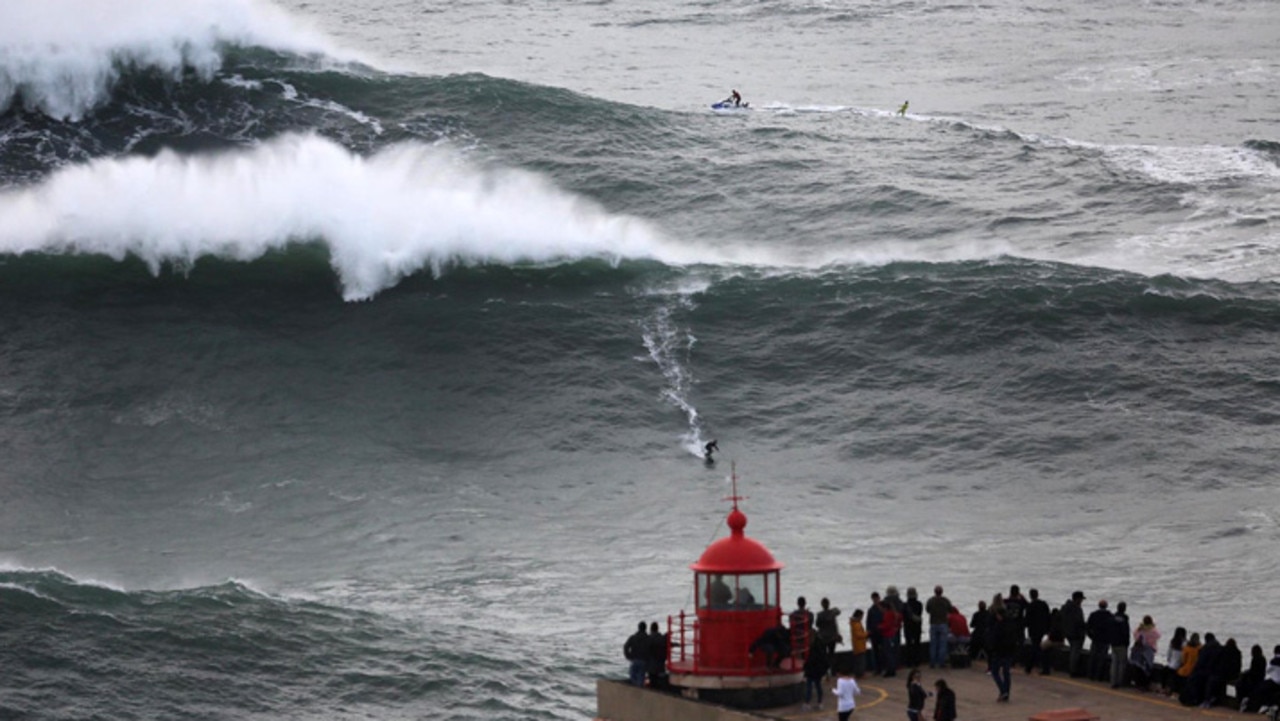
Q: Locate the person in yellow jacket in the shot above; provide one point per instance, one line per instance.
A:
(1190, 652)
(858, 633)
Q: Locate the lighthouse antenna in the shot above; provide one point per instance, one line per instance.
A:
(733, 475)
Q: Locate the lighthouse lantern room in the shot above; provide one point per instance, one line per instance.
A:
(738, 597)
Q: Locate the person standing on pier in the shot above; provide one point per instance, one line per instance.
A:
(875, 614)
(828, 630)
(658, 644)
(939, 609)
(858, 639)
(1006, 636)
(979, 624)
(890, 633)
(944, 709)
(1119, 644)
(801, 629)
(1037, 627)
(636, 650)
(1073, 628)
(816, 667)
(912, 626)
(1099, 628)
(916, 696)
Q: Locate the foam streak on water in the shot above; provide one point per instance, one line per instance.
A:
(670, 349)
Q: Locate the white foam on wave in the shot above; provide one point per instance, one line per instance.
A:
(1187, 72)
(406, 208)
(1196, 165)
(63, 57)
(11, 566)
(1225, 228)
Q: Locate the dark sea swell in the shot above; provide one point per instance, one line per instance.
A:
(258, 94)
(81, 650)
(1008, 349)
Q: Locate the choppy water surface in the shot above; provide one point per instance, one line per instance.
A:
(354, 361)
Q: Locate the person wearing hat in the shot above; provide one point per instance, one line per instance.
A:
(1073, 629)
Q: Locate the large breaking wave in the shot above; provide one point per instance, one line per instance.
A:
(403, 209)
(62, 58)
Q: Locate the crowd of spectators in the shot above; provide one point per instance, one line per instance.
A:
(1008, 631)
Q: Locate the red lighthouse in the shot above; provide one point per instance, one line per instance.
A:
(738, 596)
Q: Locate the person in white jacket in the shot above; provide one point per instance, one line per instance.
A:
(846, 689)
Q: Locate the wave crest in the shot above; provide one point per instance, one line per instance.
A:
(406, 208)
(63, 57)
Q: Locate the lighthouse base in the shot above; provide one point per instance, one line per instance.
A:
(743, 692)
(620, 701)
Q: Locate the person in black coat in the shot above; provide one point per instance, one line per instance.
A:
(1004, 637)
(1226, 670)
(774, 643)
(816, 667)
(1099, 629)
(1073, 630)
(1037, 627)
(944, 709)
(657, 657)
(979, 625)
(1266, 693)
(1118, 638)
(636, 651)
(916, 696)
(874, 616)
(1250, 680)
(912, 626)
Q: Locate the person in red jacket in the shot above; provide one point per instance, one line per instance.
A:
(890, 626)
(958, 632)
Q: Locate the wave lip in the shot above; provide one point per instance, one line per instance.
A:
(63, 57)
(403, 209)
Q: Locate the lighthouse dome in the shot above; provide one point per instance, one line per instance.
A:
(737, 553)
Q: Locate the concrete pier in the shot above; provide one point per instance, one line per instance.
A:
(886, 700)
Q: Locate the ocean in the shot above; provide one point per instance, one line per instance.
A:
(356, 358)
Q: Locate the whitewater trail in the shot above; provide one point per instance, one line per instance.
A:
(670, 348)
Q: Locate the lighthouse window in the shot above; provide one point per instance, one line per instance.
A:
(749, 593)
(716, 590)
(737, 591)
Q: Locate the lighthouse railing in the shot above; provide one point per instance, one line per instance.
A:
(685, 652)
